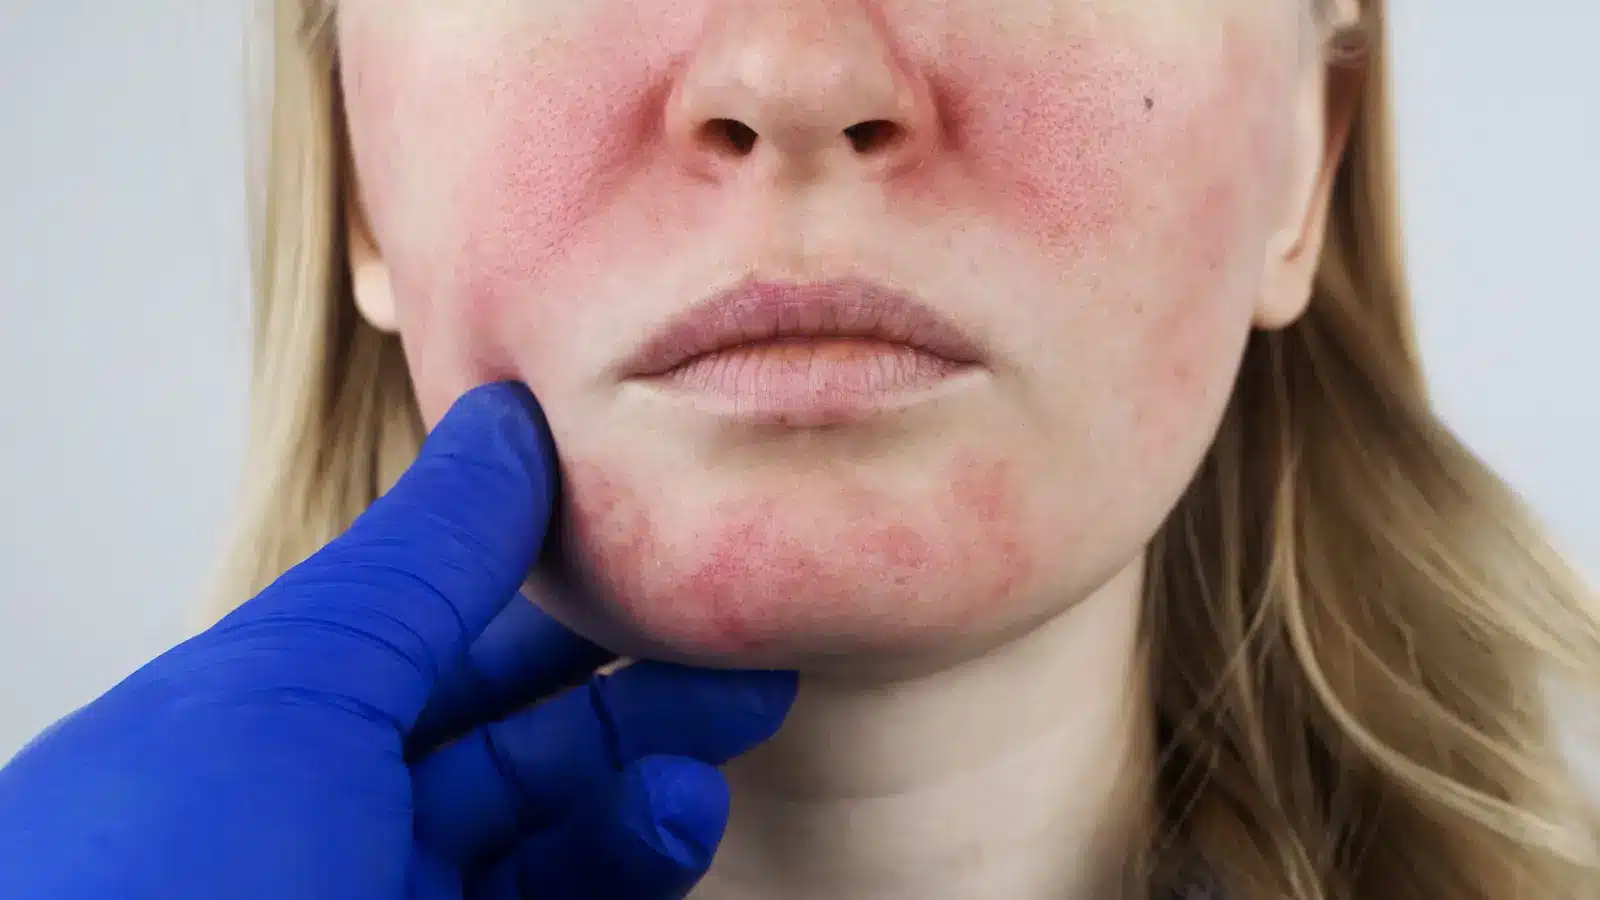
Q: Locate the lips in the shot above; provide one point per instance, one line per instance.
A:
(775, 315)
(804, 355)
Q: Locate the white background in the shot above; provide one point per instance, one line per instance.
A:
(124, 318)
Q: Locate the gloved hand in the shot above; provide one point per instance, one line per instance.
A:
(293, 751)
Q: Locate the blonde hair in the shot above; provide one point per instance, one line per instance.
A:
(1350, 618)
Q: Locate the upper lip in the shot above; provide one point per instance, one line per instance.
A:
(757, 310)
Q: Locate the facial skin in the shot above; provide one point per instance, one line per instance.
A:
(1105, 196)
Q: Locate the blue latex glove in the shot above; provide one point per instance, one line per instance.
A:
(296, 750)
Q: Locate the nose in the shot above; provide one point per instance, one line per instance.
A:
(808, 88)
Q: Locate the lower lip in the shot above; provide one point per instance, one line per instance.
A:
(812, 382)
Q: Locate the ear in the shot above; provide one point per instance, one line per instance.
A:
(1328, 104)
(369, 274)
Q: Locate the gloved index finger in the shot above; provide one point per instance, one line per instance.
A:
(395, 601)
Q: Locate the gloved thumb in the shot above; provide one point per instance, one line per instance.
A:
(376, 615)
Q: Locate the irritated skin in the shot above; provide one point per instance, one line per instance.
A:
(1105, 196)
(1088, 188)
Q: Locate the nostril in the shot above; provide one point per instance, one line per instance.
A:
(875, 136)
(728, 136)
(733, 138)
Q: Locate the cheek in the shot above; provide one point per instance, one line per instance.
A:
(557, 155)
(1145, 176)
(1187, 319)
(1083, 139)
(1042, 144)
(749, 575)
(484, 161)
(1208, 245)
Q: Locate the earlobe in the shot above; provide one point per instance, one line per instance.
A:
(369, 274)
(1293, 255)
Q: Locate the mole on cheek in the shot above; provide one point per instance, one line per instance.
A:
(845, 563)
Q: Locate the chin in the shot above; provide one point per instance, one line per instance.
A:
(807, 570)
(748, 625)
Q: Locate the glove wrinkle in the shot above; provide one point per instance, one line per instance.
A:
(611, 736)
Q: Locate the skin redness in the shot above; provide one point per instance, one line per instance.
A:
(892, 326)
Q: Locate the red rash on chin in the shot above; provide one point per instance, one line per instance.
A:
(823, 568)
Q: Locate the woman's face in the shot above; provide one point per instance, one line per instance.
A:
(981, 272)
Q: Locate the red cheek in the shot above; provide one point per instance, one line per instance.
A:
(829, 566)
(1087, 146)
(1047, 143)
(568, 139)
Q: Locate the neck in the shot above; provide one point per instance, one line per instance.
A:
(1021, 774)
